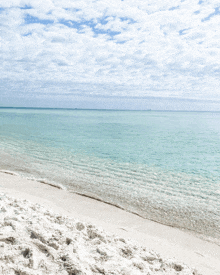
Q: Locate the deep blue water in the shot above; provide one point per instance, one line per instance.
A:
(165, 166)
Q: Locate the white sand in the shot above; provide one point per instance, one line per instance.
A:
(34, 240)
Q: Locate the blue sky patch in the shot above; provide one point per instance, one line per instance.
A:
(104, 20)
(216, 12)
(33, 20)
(72, 9)
(74, 24)
(183, 31)
(129, 20)
(27, 34)
(26, 7)
(109, 32)
(80, 26)
(174, 8)
(120, 42)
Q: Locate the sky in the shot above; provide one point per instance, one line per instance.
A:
(142, 54)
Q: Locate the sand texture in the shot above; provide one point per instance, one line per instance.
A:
(34, 240)
(37, 241)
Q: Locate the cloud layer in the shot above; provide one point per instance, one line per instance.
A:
(110, 48)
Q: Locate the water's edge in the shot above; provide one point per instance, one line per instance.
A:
(96, 198)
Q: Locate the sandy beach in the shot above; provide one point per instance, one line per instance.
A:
(46, 230)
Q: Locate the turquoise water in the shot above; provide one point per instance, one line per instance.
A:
(164, 166)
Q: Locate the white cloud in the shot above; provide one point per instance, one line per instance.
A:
(161, 48)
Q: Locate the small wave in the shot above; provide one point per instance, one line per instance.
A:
(93, 197)
(56, 185)
(9, 172)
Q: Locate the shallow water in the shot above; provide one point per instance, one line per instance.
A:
(163, 166)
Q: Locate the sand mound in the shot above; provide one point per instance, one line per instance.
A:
(36, 241)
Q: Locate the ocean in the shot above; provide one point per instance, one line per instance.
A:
(163, 166)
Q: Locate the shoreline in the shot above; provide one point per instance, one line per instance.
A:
(91, 196)
(169, 242)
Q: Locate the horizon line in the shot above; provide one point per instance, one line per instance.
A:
(100, 109)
